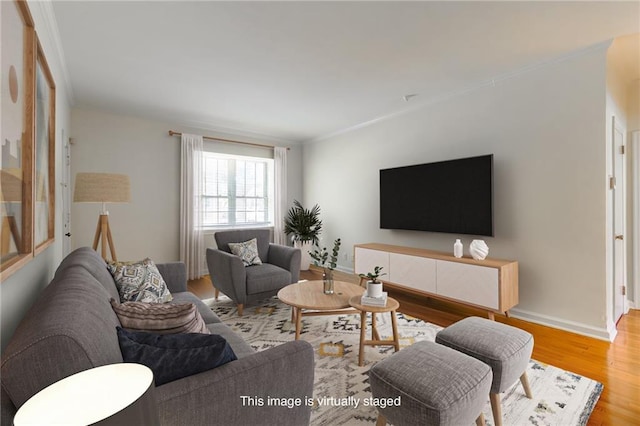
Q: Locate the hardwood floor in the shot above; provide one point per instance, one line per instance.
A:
(616, 365)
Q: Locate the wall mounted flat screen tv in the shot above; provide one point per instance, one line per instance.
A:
(454, 196)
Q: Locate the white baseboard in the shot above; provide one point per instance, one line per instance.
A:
(608, 334)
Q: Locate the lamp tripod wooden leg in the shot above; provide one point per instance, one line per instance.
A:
(104, 231)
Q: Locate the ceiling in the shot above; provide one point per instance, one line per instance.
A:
(300, 71)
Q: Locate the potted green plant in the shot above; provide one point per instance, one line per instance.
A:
(374, 287)
(304, 226)
(328, 263)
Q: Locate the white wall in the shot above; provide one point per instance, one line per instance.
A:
(141, 148)
(546, 130)
(20, 290)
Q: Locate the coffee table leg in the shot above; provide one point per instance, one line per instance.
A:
(363, 327)
(298, 322)
(293, 315)
(374, 327)
(394, 326)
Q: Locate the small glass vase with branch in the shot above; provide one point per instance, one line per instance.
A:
(328, 263)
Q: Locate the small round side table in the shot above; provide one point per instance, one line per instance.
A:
(114, 394)
(392, 306)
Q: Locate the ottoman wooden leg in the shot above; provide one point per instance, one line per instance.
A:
(382, 420)
(496, 408)
(216, 293)
(525, 384)
(480, 420)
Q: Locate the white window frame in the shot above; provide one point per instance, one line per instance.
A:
(231, 191)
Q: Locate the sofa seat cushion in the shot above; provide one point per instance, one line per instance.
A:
(239, 346)
(265, 278)
(174, 356)
(205, 312)
(161, 318)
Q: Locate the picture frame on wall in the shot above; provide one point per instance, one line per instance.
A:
(16, 123)
(45, 113)
(27, 155)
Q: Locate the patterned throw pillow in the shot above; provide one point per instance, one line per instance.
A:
(161, 318)
(139, 282)
(247, 251)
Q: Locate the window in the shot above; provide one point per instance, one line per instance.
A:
(238, 191)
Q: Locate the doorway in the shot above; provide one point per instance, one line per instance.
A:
(619, 207)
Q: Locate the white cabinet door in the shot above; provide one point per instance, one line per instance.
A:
(412, 271)
(469, 283)
(367, 259)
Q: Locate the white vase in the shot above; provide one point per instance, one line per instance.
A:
(374, 289)
(478, 249)
(305, 248)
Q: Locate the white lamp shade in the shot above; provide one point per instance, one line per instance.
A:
(102, 188)
(114, 394)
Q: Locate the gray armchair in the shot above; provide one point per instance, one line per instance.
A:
(280, 267)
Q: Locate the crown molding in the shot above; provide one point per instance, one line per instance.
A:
(602, 46)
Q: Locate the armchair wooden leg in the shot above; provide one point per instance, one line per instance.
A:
(382, 420)
(240, 308)
(216, 293)
(480, 420)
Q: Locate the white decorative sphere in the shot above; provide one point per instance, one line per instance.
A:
(478, 249)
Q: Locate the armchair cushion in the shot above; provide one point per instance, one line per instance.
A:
(247, 251)
(266, 277)
(174, 356)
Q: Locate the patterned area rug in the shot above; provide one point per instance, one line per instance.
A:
(341, 387)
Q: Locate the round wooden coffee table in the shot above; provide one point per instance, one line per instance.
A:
(309, 296)
(391, 307)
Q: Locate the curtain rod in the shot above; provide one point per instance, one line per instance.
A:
(172, 133)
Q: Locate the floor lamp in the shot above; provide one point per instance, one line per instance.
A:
(102, 188)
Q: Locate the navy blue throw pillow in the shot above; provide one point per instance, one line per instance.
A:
(174, 356)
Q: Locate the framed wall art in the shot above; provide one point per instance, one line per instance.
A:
(27, 155)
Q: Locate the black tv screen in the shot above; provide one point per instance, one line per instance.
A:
(454, 196)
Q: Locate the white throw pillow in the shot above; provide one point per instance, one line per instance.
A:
(247, 251)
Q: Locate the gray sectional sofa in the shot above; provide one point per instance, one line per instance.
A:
(72, 328)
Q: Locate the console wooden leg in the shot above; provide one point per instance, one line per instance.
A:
(525, 384)
(240, 309)
(496, 409)
(382, 420)
(480, 420)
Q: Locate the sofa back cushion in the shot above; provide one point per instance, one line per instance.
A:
(90, 260)
(223, 238)
(70, 328)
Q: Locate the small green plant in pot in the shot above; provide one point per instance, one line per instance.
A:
(304, 226)
(328, 263)
(374, 287)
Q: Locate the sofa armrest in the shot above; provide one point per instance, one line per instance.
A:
(227, 274)
(287, 258)
(175, 275)
(214, 397)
